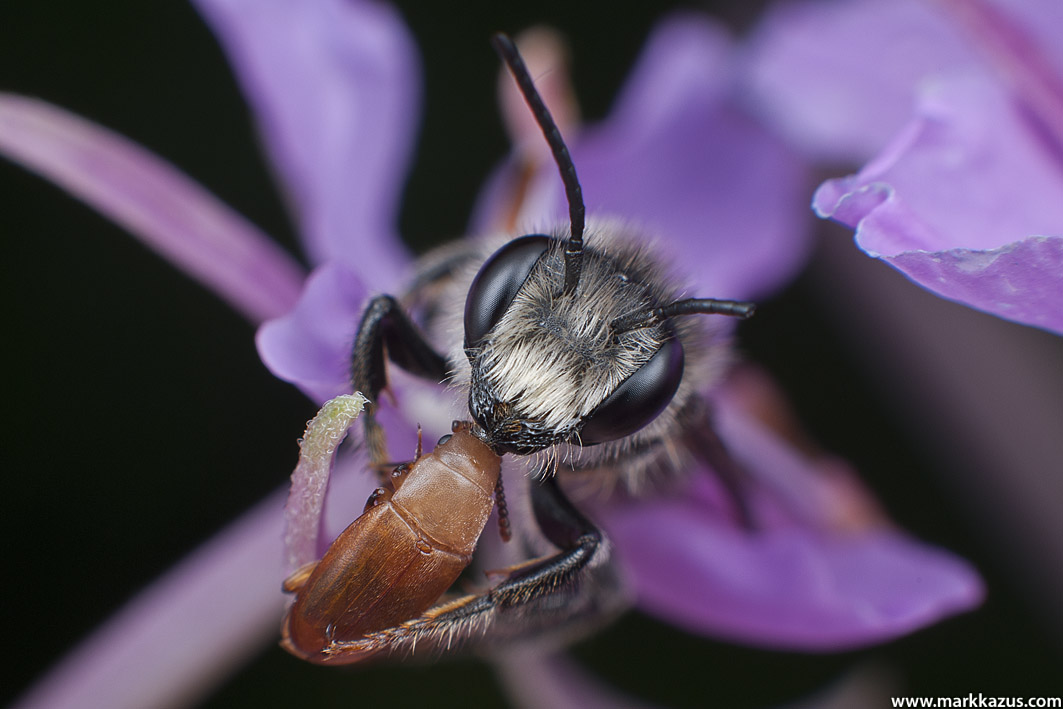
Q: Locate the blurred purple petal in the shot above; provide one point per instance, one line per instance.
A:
(679, 159)
(534, 679)
(155, 202)
(799, 581)
(968, 202)
(1027, 30)
(310, 346)
(200, 622)
(837, 78)
(334, 85)
(1032, 76)
(206, 617)
(793, 590)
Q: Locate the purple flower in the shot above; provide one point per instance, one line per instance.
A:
(333, 86)
(961, 102)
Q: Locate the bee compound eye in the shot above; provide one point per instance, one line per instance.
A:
(497, 283)
(639, 399)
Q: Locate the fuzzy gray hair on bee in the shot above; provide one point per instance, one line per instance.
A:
(567, 342)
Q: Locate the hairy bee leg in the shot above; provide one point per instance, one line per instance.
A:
(541, 596)
(566, 528)
(386, 329)
(707, 445)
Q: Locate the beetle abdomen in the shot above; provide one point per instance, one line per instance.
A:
(375, 575)
(396, 560)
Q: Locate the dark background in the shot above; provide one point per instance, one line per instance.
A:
(102, 492)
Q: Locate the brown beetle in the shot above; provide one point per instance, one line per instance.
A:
(399, 557)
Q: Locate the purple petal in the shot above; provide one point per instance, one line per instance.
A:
(534, 679)
(311, 345)
(311, 348)
(1022, 281)
(1033, 77)
(155, 202)
(800, 581)
(1043, 19)
(838, 78)
(334, 86)
(206, 617)
(678, 159)
(795, 590)
(967, 202)
(187, 631)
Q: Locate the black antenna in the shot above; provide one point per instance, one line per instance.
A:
(648, 317)
(576, 212)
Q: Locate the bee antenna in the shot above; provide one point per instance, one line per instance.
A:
(573, 192)
(648, 317)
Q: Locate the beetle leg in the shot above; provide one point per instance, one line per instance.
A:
(384, 469)
(386, 330)
(569, 592)
(298, 578)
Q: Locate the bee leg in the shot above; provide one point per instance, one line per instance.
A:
(386, 329)
(565, 527)
(707, 446)
(557, 597)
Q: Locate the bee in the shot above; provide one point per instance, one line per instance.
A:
(576, 354)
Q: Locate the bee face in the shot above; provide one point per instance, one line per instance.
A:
(545, 367)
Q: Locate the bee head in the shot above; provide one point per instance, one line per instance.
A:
(547, 365)
(568, 344)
